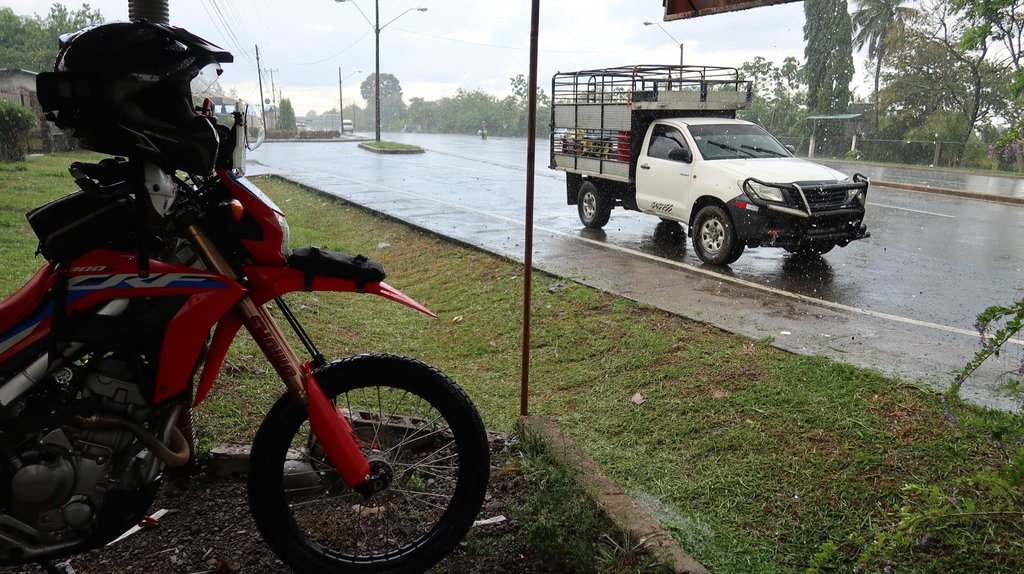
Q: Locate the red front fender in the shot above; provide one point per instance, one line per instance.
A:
(270, 282)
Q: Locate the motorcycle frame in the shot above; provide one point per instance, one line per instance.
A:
(269, 277)
(218, 295)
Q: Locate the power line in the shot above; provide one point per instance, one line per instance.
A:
(518, 49)
(226, 30)
(338, 53)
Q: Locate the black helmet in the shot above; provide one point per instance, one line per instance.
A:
(124, 89)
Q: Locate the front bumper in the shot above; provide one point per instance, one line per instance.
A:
(811, 214)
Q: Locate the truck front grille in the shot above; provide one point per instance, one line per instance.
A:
(822, 195)
(819, 198)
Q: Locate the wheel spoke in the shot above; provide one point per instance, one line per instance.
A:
(437, 485)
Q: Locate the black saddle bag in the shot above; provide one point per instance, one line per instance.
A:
(314, 261)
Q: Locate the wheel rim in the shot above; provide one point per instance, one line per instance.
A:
(589, 205)
(397, 429)
(712, 235)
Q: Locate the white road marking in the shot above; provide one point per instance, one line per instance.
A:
(912, 210)
(687, 266)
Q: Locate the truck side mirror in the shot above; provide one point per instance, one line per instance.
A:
(791, 148)
(681, 154)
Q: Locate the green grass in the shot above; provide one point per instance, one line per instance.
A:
(756, 460)
(387, 146)
(562, 526)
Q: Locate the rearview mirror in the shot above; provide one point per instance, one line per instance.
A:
(680, 154)
(791, 148)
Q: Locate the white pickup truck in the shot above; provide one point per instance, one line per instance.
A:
(729, 181)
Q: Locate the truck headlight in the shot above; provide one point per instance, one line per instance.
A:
(764, 192)
(855, 195)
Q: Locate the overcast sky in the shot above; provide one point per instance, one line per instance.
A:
(466, 44)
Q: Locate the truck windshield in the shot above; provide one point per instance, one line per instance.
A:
(731, 141)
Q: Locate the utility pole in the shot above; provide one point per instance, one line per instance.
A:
(376, 71)
(670, 36)
(273, 90)
(341, 110)
(259, 72)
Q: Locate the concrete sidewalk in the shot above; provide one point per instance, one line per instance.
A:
(991, 187)
(796, 324)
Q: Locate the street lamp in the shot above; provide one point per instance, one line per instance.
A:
(670, 36)
(376, 30)
(341, 100)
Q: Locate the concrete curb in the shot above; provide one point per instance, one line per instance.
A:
(953, 192)
(620, 508)
(369, 147)
(345, 139)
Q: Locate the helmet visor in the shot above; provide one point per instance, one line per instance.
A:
(202, 85)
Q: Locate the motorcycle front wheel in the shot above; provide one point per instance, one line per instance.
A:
(409, 418)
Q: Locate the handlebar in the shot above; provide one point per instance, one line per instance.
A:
(107, 179)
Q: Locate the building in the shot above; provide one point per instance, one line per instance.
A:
(19, 86)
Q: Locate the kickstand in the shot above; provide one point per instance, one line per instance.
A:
(58, 568)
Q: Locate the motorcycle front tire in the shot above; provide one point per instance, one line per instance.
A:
(408, 416)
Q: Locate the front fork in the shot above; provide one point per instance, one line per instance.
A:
(329, 426)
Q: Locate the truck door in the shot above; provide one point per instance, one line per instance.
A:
(663, 182)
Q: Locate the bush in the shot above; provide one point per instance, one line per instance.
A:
(319, 135)
(280, 134)
(15, 122)
(303, 135)
(854, 154)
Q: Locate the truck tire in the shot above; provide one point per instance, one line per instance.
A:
(594, 206)
(714, 237)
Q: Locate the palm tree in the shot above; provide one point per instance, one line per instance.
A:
(873, 21)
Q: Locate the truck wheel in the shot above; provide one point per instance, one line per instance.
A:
(714, 237)
(595, 206)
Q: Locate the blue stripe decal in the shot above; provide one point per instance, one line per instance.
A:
(46, 309)
(40, 315)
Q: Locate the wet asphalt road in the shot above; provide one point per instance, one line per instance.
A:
(903, 301)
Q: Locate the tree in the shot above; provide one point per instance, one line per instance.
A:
(1000, 21)
(392, 108)
(873, 23)
(828, 32)
(30, 43)
(937, 87)
(779, 96)
(423, 114)
(286, 116)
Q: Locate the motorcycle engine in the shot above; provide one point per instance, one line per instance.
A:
(58, 478)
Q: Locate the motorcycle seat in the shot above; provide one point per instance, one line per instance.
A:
(16, 307)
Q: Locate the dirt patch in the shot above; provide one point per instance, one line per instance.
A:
(909, 421)
(209, 530)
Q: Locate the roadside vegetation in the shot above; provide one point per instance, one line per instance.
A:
(758, 461)
(390, 147)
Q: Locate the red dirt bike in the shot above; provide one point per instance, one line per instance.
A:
(373, 463)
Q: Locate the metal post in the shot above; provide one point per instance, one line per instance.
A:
(341, 110)
(376, 32)
(376, 87)
(670, 36)
(531, 155)
(273, 87)
(259, 72)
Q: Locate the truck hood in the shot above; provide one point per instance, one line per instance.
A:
(776, 170)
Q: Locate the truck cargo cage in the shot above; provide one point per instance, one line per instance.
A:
(594, 112)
